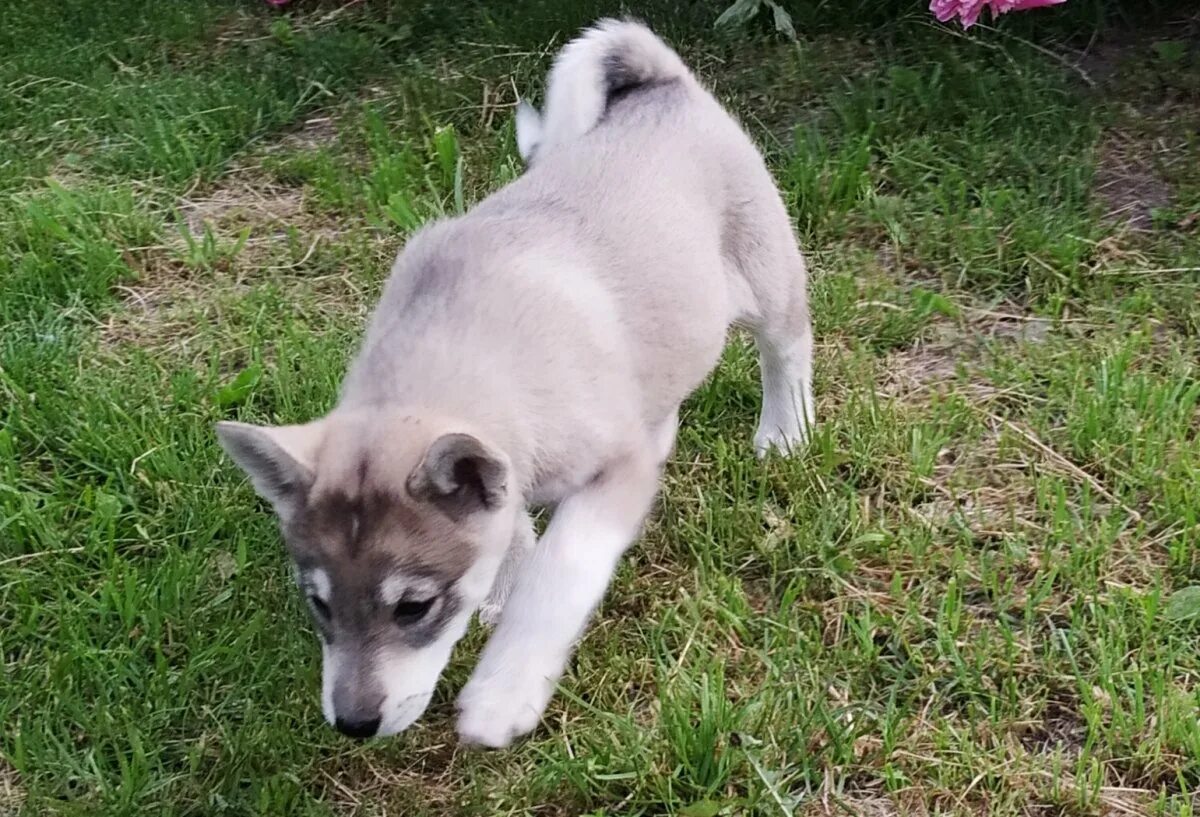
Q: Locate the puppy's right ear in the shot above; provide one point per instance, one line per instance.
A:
(278, 459)
(461, 476)
(529, 130)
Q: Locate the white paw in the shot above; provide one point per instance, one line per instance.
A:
(774, 438)
(493, 605)
(489, 612)
(506, 577)
(495, 710)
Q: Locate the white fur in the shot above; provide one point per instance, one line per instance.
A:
(529, 130)
(408, 680)
(559, 586)
(391, 589)
(319, 585)
(408, 677)
(330, 668)
(664, 436)
(577, 95)
(787, 413)
(522, 545)
(394, 586)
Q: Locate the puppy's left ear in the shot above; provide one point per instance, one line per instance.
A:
(461, 476)
(529, 130)
(279, 460)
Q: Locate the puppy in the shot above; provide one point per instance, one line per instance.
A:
(533, 353)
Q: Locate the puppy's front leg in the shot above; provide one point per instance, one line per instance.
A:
(558, 587)
(518, 551)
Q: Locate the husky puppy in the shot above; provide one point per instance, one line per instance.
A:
(533, 353)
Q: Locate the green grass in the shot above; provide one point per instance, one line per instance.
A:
(968, 596)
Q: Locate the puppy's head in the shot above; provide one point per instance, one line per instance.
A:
(396, 528)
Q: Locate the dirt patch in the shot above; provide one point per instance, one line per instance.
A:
(921, 367)
(1127, 184)
(945, 358)
(1102, 62)
(175, 315)
(987, 485)
(1060, 727)
(255, 203)
(984, 480)
(254, 212)
(348, 784)
(227, 238)
(982, 487)
(314, 134)
(860, 804)
(1149, 83)
(153, 312)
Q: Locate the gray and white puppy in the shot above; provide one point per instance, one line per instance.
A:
(534, 353)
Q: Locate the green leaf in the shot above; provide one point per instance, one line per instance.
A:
(1184, 605)
(702, 808)
(400, 211)
(445, 148)
(1171, 52)
(926, 302)
(283, 33)
(783, 20)
(240, 388)
(106, 505)
(740, 13)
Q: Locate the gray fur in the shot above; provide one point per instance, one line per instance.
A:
(578, 306)
(460, 475)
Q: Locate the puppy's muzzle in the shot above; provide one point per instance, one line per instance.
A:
(358, 728)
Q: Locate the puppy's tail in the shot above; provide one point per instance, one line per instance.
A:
(608, 59)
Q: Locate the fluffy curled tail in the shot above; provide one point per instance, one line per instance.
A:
(610, 58)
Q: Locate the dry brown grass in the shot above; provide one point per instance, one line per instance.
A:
(12, 795)
(1129, 182)
(279, 236)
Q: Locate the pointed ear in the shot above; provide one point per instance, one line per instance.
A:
(278, 459)
(529, 130)
(461, 476)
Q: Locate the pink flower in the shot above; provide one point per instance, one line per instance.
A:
(968, 11)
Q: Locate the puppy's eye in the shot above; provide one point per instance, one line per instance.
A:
(408, 611)
(320, 608)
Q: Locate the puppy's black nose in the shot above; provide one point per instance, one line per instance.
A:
(357, 729)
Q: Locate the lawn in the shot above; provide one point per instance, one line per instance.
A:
(974, 593)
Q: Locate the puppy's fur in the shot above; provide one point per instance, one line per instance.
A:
(534, 352)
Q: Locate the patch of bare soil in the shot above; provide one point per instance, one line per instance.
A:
(987, 484)
(313, 134)
(1127, 181)
(1059, 727)
(245, 228)
(1136, 163)
(249, 202)
(860, 804)
(934, 362)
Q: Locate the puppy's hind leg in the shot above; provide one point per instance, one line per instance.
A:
(783, 335)
(771, 300)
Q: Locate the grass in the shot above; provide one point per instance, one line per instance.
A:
(973, 594)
